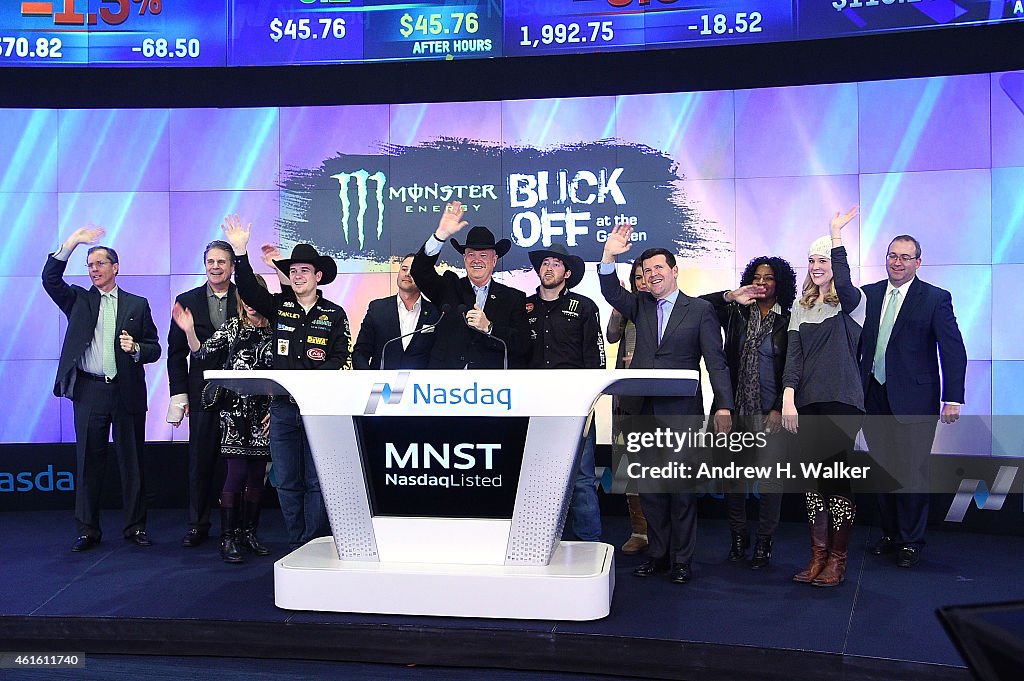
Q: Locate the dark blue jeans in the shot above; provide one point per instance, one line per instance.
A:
(584, 512)
(298, 486)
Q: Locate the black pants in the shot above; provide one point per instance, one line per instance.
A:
(826, 433)
(903, 449)
(769, 491)
(97, 407)
(203, 456)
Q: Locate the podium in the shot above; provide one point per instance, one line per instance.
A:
(447, 491)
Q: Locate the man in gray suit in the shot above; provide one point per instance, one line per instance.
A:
(673, 331)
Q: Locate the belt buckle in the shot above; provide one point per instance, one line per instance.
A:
(108, 379)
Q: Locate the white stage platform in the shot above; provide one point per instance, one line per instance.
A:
(576, 585)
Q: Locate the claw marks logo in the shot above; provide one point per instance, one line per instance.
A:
(372, 207)
(361, 179)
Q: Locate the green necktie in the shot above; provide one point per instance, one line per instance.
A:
(109, 334)
(884, 331)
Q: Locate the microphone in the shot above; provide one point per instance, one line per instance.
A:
(463, 309)
(426, 328)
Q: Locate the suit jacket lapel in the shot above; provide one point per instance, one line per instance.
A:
(201, 312)
(679, 311)
(873, 316)
(122, 312)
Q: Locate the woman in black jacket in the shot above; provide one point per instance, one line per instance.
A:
(755, 318)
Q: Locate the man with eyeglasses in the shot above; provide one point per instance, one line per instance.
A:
(110, 337)
(211, 304)
(907, 320)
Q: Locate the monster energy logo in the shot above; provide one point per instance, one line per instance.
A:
(361, 178)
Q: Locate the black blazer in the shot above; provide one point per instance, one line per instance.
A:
(381, 325)
(82, 308)
(692, 332)
(925, 322)
(734, 317)
(458, 346)
(185, 375)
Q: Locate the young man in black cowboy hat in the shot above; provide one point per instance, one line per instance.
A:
(310, 333)
(565, 330)
(481, 313)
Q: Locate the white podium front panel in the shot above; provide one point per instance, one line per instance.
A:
(423, 499)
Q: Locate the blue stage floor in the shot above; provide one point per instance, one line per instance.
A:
(730, 622)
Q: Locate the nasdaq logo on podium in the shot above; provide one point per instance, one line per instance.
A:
(437, 394)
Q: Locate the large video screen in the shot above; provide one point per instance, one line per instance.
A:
(281, 32)
(718, 177)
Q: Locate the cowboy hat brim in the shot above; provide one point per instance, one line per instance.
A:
(321, 263)
(500, 248)
(573, 263)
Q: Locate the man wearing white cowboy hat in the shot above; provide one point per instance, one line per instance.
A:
(310, 332)
(565, 330)
(483, 319)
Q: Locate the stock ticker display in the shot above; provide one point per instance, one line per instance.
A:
(281, 32)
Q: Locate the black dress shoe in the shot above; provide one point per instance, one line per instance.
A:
(883, 546)
(84, 543)
(681, 573)
(139, 538)
(909, 556)
(651, 567)
(194, 538)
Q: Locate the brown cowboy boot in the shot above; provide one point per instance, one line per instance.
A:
(841, 512)
(817, 518)
(637, 541)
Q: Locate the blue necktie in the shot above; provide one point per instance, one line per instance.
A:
(884, 331)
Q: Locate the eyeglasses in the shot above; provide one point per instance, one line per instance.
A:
(902, 257)
(98, 264)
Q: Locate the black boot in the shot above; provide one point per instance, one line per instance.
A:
(252, 521)
(740, 544)
(229, 552)
(762, 552)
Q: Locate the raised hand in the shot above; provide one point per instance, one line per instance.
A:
(89, 234)
(618, 243)
(269, 253)
(451, 220)
(236, 235)
(840, 220)
(182, 316)
(745, 295)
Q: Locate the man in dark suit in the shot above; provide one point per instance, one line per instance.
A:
(906, 321)
(673, 331)
(110, 337)
(487, 319)
(211, 304)
(389, 318)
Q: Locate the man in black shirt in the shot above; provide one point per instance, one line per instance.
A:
(310, 332)
(565, 333)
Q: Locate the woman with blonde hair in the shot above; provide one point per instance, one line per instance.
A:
(823, 395)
